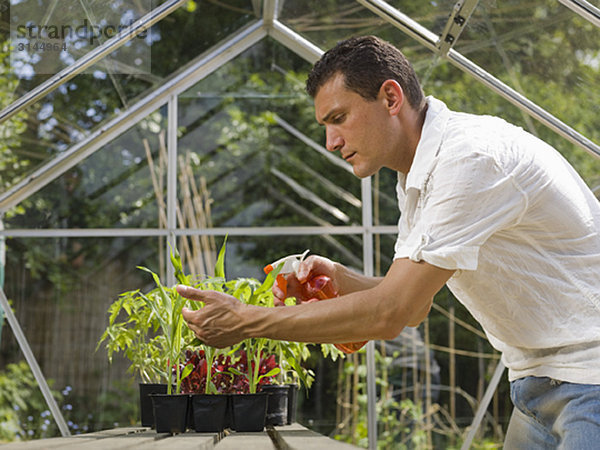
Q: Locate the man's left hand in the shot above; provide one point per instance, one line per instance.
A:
(218, 323)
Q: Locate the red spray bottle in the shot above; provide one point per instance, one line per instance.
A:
(315, 288)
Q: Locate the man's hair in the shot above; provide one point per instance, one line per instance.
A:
(366, 62)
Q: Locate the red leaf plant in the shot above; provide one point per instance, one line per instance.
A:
(228, 374)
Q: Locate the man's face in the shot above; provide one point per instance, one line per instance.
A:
(358, 128)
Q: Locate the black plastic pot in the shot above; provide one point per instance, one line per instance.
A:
(292, 405)
(249, 411)
(277, 404)
(146, 412)
(170, 412)
(209, 412)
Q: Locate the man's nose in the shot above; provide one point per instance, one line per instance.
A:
(334, 141)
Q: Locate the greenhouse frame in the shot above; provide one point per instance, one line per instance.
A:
(108, 167)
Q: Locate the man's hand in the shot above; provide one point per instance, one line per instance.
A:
(218, 323)
(343, 280)
(311, 267)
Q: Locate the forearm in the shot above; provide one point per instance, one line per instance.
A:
(350, 281)
(353, 317)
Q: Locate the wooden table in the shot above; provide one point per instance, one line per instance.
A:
(293, 436)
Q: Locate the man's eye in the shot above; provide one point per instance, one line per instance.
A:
(338, 119)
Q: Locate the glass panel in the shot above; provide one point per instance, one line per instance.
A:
(326, 23)
(60, 290)
(70, 113)
(528, 61)
(120, 186)
(237, 138)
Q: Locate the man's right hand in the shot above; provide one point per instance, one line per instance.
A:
(298, 285)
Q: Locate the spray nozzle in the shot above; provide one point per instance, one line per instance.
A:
(290, 263)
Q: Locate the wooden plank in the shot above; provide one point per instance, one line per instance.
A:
(279, 438)
(185, 441)
(71, 441)
(295, 436)
(122, 441)
(247, 441)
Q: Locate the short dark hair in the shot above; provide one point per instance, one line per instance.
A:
(366, 62)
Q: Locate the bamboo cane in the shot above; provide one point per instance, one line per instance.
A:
(338, 395)
(355, 406)
(347, 398)
(427, 384)
(211, 247)
(452, 367)
(186, 252)
(201, 244)
(190, 214)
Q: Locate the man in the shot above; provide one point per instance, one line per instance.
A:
(490, 210)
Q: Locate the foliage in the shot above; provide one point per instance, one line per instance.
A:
(153, 335)
(23, 410)
(166, 306)
(134, 336)
(24, 413)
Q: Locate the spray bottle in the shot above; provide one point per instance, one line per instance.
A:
(315, 288)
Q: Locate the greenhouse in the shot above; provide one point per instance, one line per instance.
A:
(135, 130)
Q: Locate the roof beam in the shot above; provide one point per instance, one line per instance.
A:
(584, 9)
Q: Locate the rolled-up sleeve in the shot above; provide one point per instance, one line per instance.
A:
(465, 200)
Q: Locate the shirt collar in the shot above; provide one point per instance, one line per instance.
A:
(436, 119)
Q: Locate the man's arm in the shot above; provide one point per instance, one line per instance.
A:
(402, 298)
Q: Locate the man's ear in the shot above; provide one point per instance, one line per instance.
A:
(393, 95)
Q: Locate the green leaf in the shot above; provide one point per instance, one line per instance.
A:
(234, 371)
(220, 265)
(178, 266)
(187, 370)
(267, 284)
(270, 373)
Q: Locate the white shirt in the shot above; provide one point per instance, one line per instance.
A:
(523, 231)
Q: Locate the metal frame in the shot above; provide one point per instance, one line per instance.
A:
(483, 405)
(461, 13)
(584, 9)
(228, 49)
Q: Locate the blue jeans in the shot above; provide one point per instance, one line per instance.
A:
(550, 414)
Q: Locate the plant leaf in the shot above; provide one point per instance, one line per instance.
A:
(220, 265)
(187, 370)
